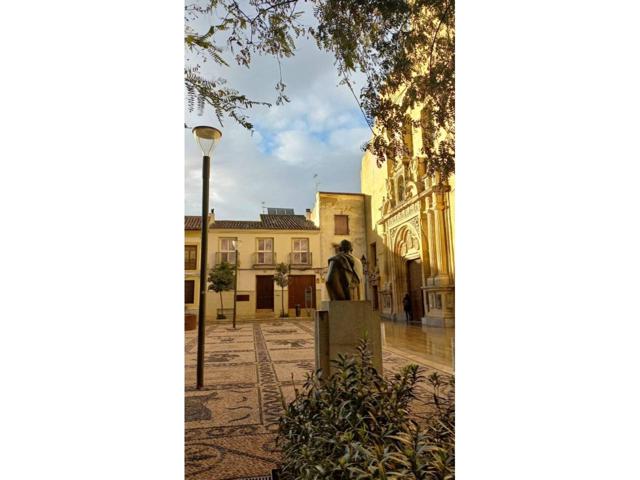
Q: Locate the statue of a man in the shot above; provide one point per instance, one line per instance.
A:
(342, 278)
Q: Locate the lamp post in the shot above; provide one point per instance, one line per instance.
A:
(207, 138)
(365, 265)
(235, 282)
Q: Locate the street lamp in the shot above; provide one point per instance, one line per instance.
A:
(365, 269)
(207, 138)
(235, 281)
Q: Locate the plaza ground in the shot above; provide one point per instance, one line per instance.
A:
(230, 424)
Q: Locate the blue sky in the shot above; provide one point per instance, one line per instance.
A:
(320, 131)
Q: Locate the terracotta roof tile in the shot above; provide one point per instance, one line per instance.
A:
(267, 222)
(192, 222)
(235, 225)
(287, 222)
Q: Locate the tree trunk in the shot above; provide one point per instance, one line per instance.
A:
(221, 305)
(282, 298)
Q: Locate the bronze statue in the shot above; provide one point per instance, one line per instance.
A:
(342, 278)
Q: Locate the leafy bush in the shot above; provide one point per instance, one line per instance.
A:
(358, 425)
(221, 279)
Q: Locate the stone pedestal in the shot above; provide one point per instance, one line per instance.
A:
(339, 328)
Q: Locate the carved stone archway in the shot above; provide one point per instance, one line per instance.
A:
(406, 242)
(406, 246)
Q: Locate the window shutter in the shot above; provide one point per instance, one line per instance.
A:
(189, 288)
(190, 257)
(341, 224)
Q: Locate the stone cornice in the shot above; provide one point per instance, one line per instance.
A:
(434, 188)
(403, 211)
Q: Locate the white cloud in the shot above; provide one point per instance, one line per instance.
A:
(297, 147)
(349, 138)
(319, 131)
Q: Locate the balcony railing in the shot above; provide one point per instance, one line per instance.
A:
(300, 260)
(229, 257)
(264, 259)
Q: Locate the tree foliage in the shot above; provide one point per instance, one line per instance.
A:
(405, 48)
(407, 51)
(281, 278)
(221, 278)
(257, 27)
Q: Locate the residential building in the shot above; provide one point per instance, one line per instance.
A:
(279, 236)
(192, 256)
(340, 216)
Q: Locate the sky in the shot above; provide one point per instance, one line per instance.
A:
(320, 131)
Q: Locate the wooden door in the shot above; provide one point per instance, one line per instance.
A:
(414, 281)
(189, 291)
(264, 292)
(297, 286)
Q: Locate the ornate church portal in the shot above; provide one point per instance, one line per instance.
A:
(411, 230)
(418, 238)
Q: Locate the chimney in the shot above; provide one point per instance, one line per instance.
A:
(212, 217)
(307, 214)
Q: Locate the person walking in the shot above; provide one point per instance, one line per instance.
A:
(406, 303)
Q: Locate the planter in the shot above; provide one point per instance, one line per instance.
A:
(190, 321)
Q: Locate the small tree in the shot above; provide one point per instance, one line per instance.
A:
(221, 280)
(281, 278)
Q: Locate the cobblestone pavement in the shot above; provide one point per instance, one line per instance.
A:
(230, 425)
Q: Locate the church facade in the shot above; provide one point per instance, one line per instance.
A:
(410, 236)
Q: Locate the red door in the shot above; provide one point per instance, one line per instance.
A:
(264, 292)
(298, 284)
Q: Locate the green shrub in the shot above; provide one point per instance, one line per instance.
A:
(358, 425)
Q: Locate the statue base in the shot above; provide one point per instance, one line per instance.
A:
(340, 325)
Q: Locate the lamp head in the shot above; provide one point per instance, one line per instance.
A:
(207, 138)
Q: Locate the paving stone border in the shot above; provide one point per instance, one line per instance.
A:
(230, 425)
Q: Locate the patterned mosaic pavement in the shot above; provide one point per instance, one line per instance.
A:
(230, 425)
